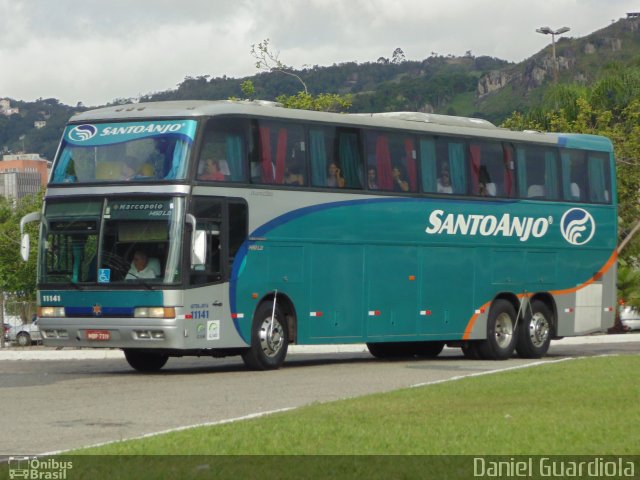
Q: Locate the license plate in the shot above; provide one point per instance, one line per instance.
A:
(98, 335)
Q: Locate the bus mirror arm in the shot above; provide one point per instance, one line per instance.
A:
(25, 242)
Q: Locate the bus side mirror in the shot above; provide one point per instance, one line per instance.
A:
(198, 242)
(24, 246)
(24, 237)
(199, 248)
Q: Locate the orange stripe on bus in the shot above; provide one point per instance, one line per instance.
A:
(605, 268)
(467, 330)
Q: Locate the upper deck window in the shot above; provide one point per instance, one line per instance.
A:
(224, 151)
(391, 162)
(538, 173)
(335, 157)
(586, 176)
(282, 155)
(127, 151)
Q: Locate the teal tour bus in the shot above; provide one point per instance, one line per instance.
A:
(239, 228)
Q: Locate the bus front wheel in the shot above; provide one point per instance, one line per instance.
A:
(269, 339)
(501, 324)
(534, 335)
(145, 361)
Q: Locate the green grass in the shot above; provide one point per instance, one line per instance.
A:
(582, 407)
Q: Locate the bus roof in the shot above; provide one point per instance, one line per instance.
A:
(415, 121)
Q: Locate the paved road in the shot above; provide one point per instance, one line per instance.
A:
(53, 405)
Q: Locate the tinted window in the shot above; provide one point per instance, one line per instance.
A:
(586, 176)
(391, 162)
(450, 166)
(537, 172)
(491, 169)
(124, 152)
(224, 154)
(336, 160)
(281, 158)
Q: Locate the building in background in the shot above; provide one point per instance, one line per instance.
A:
(6, 109)
(22, 174)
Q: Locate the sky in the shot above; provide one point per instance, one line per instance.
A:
(97, 51)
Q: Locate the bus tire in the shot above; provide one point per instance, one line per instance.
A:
(145, 361)
(269, 343)
(501, 341)
(428, 349)
(534, 335)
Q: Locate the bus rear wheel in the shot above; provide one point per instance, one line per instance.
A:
(534, 335)
(500, 341)
(145, 361)
(269, 339)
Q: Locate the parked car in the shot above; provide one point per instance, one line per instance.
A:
(630, 317)
(26, 334)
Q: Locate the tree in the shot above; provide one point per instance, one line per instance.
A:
(628, 285)
(324, 102)
(398, 56)
(248, 89)
(268, 60)
(18, 278)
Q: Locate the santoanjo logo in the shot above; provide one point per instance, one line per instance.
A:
(487, 225)
(577, 226)
(82, 133)
(142, 129)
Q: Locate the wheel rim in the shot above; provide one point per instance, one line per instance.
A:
(22, 340)
(538, 329)
(271, 337)
(504, 330)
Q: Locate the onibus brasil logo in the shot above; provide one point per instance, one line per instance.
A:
(577, 226)
(35, 468)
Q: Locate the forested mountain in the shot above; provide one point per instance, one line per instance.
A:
(470, 86)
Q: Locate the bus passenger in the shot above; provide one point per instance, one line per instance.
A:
(335, 178)
(399, 185)
(132, 170)
(444, 182)
(129, 168)
(292, 176)
(485, 186)
(143, 267)
(212, 171)
(371, 179)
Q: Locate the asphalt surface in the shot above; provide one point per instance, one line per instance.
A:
(55, 400)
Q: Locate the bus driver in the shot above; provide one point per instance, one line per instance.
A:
(143, 267)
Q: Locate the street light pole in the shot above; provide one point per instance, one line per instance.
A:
(553, 33)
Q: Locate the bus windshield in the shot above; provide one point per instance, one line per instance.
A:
(118, 241)
(126, 151)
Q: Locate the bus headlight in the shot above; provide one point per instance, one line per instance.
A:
(154, 312)
(51, 312)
